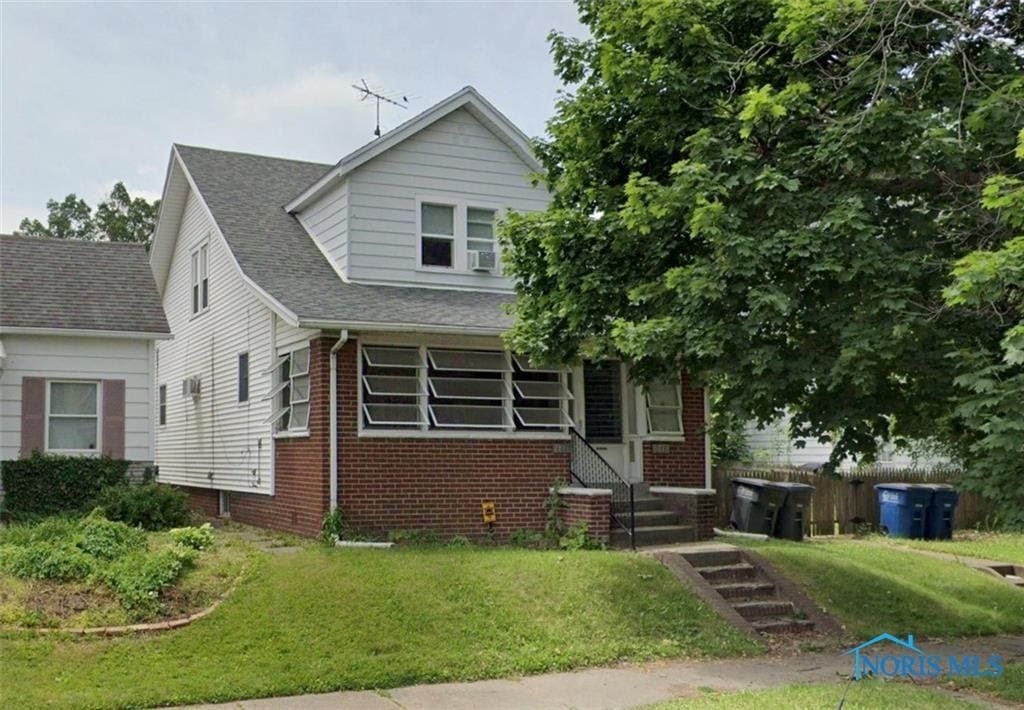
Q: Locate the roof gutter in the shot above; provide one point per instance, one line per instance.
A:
(342, 339)
(85, 333)
(372, 326)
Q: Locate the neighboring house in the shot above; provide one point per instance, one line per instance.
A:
(78, 323)
(773, 445)
(337, 342)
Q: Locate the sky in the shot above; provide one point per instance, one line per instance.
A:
(93, 93)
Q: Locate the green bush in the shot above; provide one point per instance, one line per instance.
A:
(196, 538)
(138, 579)
(332, 527)
(48, 559)
(108, 539)
(577, 537)
(152, 506)
(46, 484)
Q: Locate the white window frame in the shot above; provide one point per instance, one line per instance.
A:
(161, 408)
(423, 431)
(200, 282)
(278, 384)
(453, 237)
(99, 418)
(650, 431)
(460, 240)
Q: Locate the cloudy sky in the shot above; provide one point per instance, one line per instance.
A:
(95, 93)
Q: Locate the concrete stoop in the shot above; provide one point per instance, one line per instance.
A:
(654, 524)
(745, 590)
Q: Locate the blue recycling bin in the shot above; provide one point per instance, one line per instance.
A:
(938, 521)
(903, 508)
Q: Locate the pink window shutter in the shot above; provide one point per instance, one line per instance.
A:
(113, 418)
(33, 404)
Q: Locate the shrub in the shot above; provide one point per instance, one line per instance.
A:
(55, 529)
(196, 538)
(48, 559)
(47, 484)
(332, 527)
(577, 537)
(152, 506)
(138, 579)
(108, 539)
(526, 538)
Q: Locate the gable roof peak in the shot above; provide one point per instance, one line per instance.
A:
(467, 97)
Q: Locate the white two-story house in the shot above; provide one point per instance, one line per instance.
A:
(337, 344)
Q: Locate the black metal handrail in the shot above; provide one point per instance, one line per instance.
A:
(590, 469)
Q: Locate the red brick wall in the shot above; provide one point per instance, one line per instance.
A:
(594, 510)
(415, 483)
(680, 463)
(301, 467)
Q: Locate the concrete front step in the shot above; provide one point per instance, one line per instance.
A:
(761, 609)
(642, 504)
(653, 535)
(782, 626)
(739, 572)
(650, 518)
(746, 590)
(712, 558)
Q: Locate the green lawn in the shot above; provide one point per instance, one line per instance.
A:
(323, 619)
(874, 588)
(1009, 686)
(862, 694)
(1003, 547)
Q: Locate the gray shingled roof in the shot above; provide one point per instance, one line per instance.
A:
(246, 194)
(57, 283)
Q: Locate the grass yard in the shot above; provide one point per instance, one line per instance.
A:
(1002, 547)
(1009, 686)
(874, 588)
(863, 694)
(329, 619)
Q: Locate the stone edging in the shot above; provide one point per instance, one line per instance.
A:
(133, 628)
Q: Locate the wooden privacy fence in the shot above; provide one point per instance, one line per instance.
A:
(847, 504)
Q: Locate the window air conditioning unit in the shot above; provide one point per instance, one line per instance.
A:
(483, 260)
(190, 387)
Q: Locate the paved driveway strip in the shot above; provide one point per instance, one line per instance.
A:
(616, 687)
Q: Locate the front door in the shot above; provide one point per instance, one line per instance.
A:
(602, 412)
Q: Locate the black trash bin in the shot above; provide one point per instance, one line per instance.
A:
(793, 513)
(755, 505)
(938, 521)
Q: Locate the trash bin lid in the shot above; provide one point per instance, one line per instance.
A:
(752, 482)
(901, 486)
(937, 486)
(792, 485)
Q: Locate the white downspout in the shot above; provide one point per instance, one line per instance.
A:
(342, 339)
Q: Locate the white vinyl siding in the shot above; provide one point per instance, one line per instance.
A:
(326, 220)
(457, 160)
(215, 441)
(56, 357)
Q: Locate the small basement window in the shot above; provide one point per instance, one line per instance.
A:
(437, 235)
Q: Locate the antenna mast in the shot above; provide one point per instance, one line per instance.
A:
(367, 93)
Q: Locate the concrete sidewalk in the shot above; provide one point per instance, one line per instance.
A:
(616, 687)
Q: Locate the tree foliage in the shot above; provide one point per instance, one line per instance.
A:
(119, 218)
(772, 193)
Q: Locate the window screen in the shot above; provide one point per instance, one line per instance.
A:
(391, 387)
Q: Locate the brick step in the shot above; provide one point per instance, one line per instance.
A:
(642, 504)
(728, 573)
(746, 590)
(764, 609)
(651, 518)
(784, 625)
(653, 535)
(713, 558)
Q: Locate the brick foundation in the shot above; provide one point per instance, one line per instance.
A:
(592, 506)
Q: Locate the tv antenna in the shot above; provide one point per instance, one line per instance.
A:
(367, 93)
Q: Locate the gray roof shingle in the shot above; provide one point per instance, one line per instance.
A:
(246, 194)
(58, 283)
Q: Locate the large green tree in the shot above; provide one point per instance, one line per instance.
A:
(771, 194)
(119, 218)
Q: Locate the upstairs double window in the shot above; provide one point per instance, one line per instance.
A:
(456, 236)
(455, 389)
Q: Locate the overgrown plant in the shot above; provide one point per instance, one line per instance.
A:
(553, 506)
(332, 528)
(577, 537)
